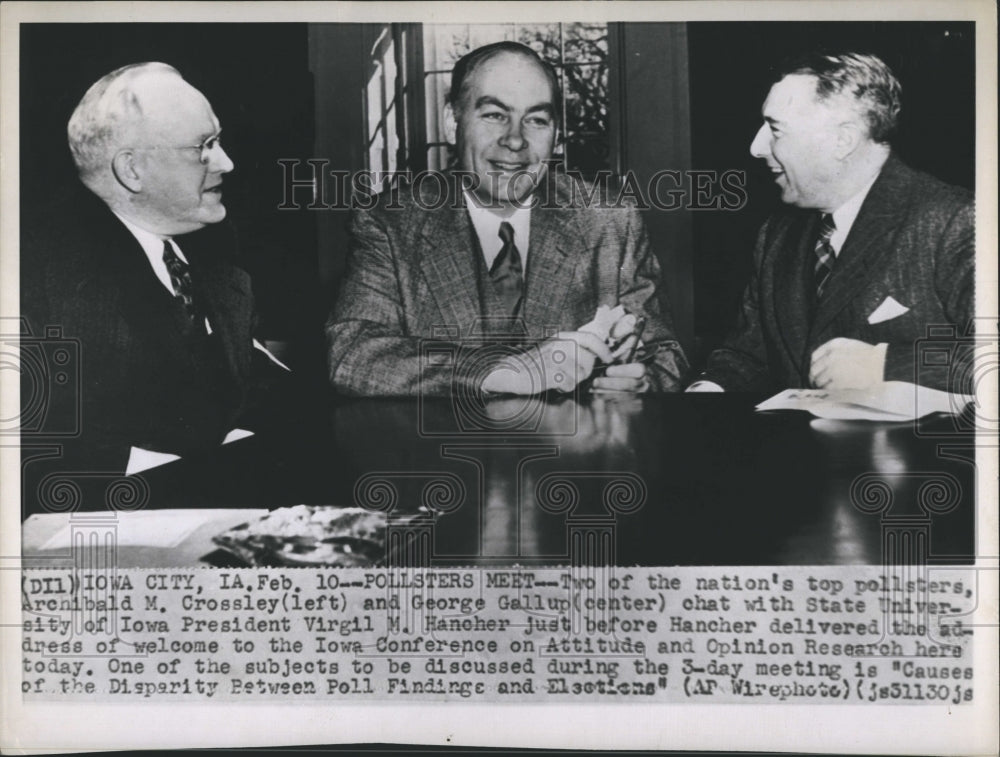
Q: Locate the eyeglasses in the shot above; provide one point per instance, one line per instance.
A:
(204, 149)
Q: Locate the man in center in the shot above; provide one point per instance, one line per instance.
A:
(502, 251)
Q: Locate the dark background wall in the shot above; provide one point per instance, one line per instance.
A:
(689, 96)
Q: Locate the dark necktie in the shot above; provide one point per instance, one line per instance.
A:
(825, 257)
(180, 279)
(506, 273)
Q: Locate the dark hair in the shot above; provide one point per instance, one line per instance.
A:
(865, 77)
(470, 62)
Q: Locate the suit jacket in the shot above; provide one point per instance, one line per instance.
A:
(140, 382)
(413, 276)
(912, 240)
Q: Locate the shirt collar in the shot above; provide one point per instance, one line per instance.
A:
(487, 226)
(845, 215)
(152, 245)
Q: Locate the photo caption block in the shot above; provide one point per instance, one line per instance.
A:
(756, 635)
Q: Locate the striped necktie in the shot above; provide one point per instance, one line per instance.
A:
(825, 257)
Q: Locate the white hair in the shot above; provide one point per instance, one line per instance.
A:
(108, 108)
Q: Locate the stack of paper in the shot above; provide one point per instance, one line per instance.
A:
(889, 401)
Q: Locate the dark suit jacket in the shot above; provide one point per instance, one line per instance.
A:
(912, 240)
(140, 383)
(413, 276)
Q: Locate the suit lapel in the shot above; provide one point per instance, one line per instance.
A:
(551, 267)
(120, 266)
(446, 260)
(224, 294)
(862, 252)
(793, 285)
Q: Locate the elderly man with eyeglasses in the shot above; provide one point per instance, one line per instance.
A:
(160, 317)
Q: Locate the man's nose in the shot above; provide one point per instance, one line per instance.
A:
(513, 139)
(219, 161)
(761, 145)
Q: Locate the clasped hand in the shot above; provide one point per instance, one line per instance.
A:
(563, 361)
(843, 363)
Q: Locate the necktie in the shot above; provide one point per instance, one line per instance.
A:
(825, 257)
(506, 273)
(180, 279)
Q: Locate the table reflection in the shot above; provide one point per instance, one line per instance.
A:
(606, 479)
(659, 481)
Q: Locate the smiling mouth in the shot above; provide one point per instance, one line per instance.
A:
(508, 167)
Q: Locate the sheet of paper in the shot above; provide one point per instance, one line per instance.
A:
(896, 401)
(146, 528)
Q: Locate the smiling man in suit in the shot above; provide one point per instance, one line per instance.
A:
(868, 255)
(480, 280)
(162, 315)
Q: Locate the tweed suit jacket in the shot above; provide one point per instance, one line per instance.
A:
(412, 277)
(140, 383)
(912, 241)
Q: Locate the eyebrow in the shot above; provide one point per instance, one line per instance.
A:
(490, 100)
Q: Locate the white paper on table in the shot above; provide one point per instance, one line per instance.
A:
(144, 528)
(140, 459)
(896, 401)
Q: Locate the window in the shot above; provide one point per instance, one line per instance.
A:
(579, 53)
(388, 99)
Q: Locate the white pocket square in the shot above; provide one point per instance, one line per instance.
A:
(888, 310)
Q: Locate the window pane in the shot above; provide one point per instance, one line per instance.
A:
(392, 140)
(586, 43)
(435, 90)
(444, 44)
(375, 153)
(587, 140)
(487, 34)
(543, 39)
(373, 97)
(389, 64)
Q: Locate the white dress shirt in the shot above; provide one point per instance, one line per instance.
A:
(487, 226)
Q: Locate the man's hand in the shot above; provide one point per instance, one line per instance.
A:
(626, 377)
(560, 362)
(847, 364)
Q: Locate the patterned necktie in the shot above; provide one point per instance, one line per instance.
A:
(825, 257)
(506, 273)
(180, 279)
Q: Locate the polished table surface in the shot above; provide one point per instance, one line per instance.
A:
(653, 480)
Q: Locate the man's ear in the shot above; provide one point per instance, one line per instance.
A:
(450, 125)
(124, 168)
(850, 134)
